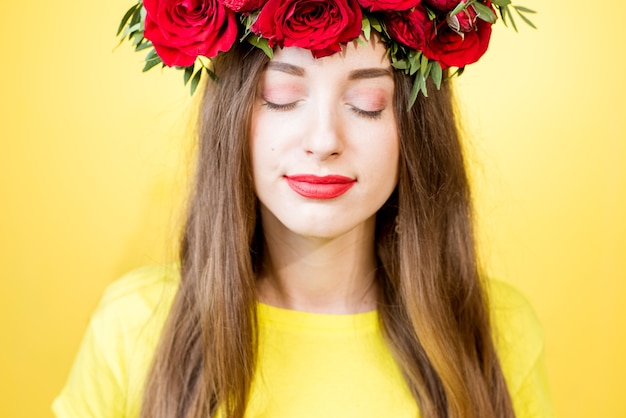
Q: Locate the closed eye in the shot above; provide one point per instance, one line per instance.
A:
(369, 114)
(279, 107)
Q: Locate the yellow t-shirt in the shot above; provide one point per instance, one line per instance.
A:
(310, 365)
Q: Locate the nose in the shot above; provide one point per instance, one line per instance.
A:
(324, 137)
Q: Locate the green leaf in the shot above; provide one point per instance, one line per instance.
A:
(188, 72)
(378, 27)
(394, 49)
(150, 64)
(366, 27)
(436, 73)
(151, 55)
(501, 3)
(412, 63)
(506, 15)
(524, 9)
(400, 65)
(424, 90)
(136, 17)
(195, 81)
(248, 19)
(525, 19)
(143, 45)
(428, 69)
(130, 30)
(136, 38)
(511, 19)
(142, 14)
(461, 6)
(152, 59)
(414, 91)
(502, 11)
(422, 84)
(211, 74)
(262, 44)
(125, 19)
(247, 22)
(485, 13)
(458, 72)
(423, 65)
(431, 15)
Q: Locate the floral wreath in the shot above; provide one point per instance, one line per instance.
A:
(423, 37)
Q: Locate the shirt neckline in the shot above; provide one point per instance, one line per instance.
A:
(312, 320)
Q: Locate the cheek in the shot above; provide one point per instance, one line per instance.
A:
(261, 137)
(273, 136)
(383, 156)
(267, 151)
(257, 149)
(263, 144)
(379, 145)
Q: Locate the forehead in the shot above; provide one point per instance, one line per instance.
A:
(355, 55)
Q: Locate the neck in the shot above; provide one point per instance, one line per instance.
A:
(324, 275)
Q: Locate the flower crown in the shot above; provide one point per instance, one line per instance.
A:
(423, 37)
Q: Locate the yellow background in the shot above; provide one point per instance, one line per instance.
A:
(91, 179)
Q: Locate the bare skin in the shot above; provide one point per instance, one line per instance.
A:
(323, 117)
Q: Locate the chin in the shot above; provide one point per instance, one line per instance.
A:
(328, 229)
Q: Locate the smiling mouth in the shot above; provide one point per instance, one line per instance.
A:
(316, 187)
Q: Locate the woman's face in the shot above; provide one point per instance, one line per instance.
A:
(324, 139)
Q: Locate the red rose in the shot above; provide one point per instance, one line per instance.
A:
(444, 5)
(320, 26)
(409, 28)
(452, 49)
(244, 5)
(463, 21)
(397, 5)
(181, 30)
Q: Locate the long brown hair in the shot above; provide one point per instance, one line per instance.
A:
(432, 307)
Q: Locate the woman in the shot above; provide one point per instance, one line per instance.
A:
(327, 264)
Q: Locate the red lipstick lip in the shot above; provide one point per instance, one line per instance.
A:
(316, 187)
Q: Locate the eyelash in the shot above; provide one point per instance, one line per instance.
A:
(279, 107)
(369, 114)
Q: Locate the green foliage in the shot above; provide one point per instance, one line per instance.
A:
(260, 43)
(152, 60)
(485, 13)
(247, 20)
(504, 7)
(413, 63)
(131, 28)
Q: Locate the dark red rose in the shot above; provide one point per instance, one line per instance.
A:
(453, 49)
(320, 26)
(181, 30)
(463, 21)
(444, 5)
(244, 5)
(397, 5)
(409, 28)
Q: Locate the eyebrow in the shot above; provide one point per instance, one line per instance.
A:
(361, 73)
(370, 73)
(286, 68)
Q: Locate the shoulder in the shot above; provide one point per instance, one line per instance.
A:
(519, 339)
(136, 303)
(513, 316)
(130, 316)
(142, 291)
(518, 334)
(109, 370)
